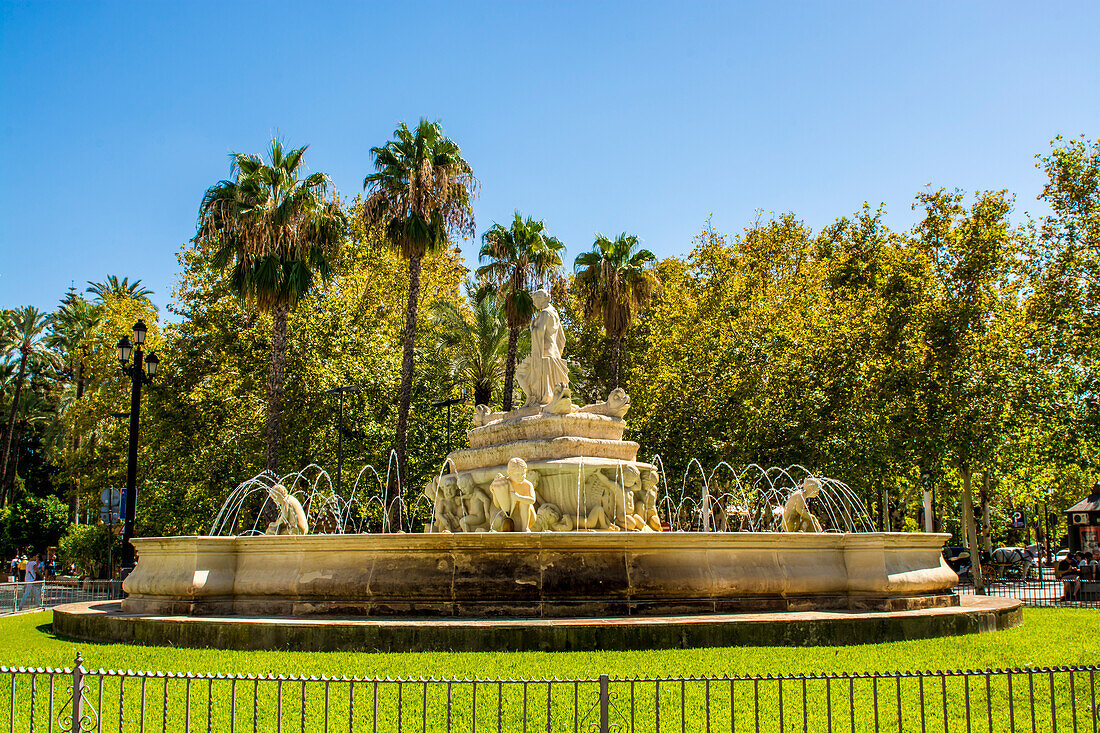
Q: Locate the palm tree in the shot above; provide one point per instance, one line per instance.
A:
(520, 258)
(123, 288)
(475, 346)
(615, 281)
(71, 328)
(275, 230)
(23, 340)
(418, 196)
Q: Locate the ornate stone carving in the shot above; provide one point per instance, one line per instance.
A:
(549, 518)
(292, 518)
(562, 401)
(617, 404)
(796, 512)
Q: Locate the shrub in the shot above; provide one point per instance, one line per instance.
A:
(89, 547)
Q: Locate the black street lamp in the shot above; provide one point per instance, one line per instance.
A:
(448, 404)
(142, 370)
(340, 430)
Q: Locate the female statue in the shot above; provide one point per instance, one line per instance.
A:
(543, 369)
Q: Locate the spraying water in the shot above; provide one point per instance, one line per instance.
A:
(722, 499)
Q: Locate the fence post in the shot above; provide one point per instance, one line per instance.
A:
(604, 699)
(78, 692)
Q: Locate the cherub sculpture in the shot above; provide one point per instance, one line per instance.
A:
(445, 511)
(514, 497)
(549, 518)
(606, 499)
(796, 512)
(292, 518)
(649, 500)
(476, 505)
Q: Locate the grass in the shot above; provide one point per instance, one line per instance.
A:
(1048, 638)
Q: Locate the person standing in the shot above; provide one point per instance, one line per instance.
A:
(32, 588)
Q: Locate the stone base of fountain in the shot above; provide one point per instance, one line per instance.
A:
(539, 574)
(105, 622)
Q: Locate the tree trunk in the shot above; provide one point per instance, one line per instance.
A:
(20, 430)
(11, 428)
(275, 386)
(405, 396)
(510, 369)
(616, 354)
(987, 529)
(970, 533)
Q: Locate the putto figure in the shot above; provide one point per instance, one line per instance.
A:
(796, 512)
(514, 497)
(476, 505)
(544, 368)
(292, 518)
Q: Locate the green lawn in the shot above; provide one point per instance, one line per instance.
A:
(1048, 637)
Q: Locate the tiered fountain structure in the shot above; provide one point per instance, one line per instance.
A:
(547, 532)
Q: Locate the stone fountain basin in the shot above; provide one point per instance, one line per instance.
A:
(565, 574)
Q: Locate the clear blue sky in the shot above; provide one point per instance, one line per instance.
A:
(606, 117)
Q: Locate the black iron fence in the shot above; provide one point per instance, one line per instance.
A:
(49, 593)
(1069, 593)
(76, 699)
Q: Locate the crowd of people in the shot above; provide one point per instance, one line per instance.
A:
(1076, 569)
(31, 568)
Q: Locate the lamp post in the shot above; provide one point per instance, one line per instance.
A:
(340, 430)
(142, 370)
(448, 404)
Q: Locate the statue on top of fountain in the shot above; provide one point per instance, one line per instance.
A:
(544, 368)
(549, 465)
(543, 375)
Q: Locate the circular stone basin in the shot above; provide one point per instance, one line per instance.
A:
(105, 622)
(538, 575)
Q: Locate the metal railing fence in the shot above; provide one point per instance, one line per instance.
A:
(49, 593)
(1047, 592)
(76, 699)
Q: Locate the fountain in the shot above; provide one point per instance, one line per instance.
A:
(547, 532)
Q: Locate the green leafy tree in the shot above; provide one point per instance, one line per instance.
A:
(88, 547)
(275, 229)
(418, 196)
(38, 522)
(521, 258)
(615, 281)
(474, 342)
(971, 250)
